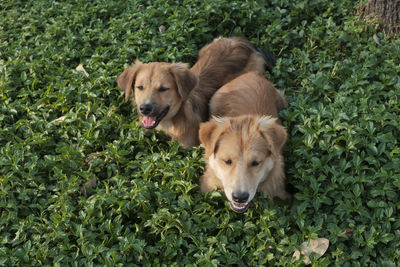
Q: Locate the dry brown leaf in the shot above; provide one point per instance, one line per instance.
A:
(318, 246)
(80, 68)
(348, 232)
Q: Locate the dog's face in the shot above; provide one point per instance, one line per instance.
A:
(159, 89)
(241, 152)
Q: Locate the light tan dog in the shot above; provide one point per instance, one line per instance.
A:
(243, 144)
(174, 98)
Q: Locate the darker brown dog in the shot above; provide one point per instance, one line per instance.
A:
(174, 98)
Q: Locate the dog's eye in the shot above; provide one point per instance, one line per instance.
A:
(228, 162)
(162, 89)
(255, 163)
(139, 87)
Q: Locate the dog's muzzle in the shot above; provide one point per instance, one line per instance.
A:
(149, 120)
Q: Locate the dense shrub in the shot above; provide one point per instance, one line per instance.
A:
(342, 157)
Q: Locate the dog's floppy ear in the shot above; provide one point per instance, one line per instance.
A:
(184, 78)
(273, 132)
(209, 134)
(127, 78)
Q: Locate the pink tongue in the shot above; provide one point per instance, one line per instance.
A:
(148, 121)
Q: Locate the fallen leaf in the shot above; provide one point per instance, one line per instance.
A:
(348, 232)
(318, 246)
(80, 68)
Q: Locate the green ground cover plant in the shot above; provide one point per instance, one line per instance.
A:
(60, 130)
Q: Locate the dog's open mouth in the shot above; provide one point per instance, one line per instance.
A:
(239, 207)
(152, 122)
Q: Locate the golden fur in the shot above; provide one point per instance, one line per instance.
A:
(243, 144)
(175, 98)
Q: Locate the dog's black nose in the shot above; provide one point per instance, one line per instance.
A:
(146, 109)
(240, 197)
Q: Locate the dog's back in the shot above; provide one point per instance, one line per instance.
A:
(249, 93)
(220, 62)
(227, 58)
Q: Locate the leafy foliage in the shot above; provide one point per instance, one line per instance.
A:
(342, 157)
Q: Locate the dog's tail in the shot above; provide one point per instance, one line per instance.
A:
(269, 58)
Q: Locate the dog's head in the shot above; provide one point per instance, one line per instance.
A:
(241, 151)
(158, 89)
